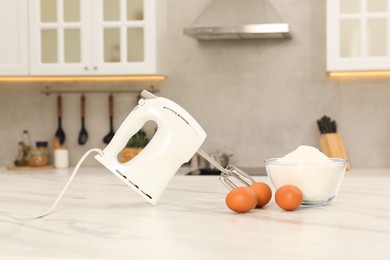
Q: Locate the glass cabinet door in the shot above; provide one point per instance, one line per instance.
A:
(376, 28)
(97, 37)
(363, 28)
(60, 31)
(123, 33)
(358, 35)
(59, 37)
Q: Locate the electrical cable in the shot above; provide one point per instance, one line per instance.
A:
(99, 151)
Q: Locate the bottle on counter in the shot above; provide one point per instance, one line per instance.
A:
(40, 156)
(24, 149)
(19, 160)
(26, 145)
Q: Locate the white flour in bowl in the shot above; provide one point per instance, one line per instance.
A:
(305, 154)
(316, 175)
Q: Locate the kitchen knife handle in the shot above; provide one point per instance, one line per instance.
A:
(334, 126)
(320, 127)
(327, 125)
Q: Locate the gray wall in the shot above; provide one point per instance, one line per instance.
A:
(255, 99)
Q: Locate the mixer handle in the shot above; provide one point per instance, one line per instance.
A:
(130, 126)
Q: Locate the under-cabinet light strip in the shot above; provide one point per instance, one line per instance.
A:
(96, 89)
(356, 74)
(84, 79)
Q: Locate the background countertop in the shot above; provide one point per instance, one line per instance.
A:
(101, 218)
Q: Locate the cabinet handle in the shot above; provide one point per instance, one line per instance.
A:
(95, 68)
(85, 68)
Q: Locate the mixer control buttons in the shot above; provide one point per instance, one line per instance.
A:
(183, 119)
(141, 102)
(173, 111)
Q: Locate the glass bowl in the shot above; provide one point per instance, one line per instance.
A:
(319, 182)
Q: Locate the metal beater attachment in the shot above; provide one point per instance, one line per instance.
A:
(228, 173)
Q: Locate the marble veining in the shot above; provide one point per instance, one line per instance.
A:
(101, 218)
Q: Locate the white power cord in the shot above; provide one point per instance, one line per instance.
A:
(99, 151)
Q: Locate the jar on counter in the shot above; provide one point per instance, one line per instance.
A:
(39, 156)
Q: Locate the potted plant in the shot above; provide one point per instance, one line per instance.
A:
(134, 146)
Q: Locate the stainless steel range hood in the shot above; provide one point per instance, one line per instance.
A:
(235, 32)
(239, 19)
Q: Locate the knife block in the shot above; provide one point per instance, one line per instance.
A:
(332, 146)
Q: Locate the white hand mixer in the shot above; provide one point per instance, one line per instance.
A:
(177, 139)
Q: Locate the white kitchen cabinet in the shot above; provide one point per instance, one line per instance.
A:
(358, 34)
(99, 37)
(13, 37)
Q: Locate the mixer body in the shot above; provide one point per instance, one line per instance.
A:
(177, 139)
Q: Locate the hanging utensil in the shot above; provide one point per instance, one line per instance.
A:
(110, 135)
(60, 134)
(83, 135)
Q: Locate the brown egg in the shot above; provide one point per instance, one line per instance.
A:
(264, 193)
(241, 199)
(288, 197)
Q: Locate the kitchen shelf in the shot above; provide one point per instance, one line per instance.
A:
(99, 89)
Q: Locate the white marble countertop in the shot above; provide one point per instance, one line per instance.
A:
(101, 218)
